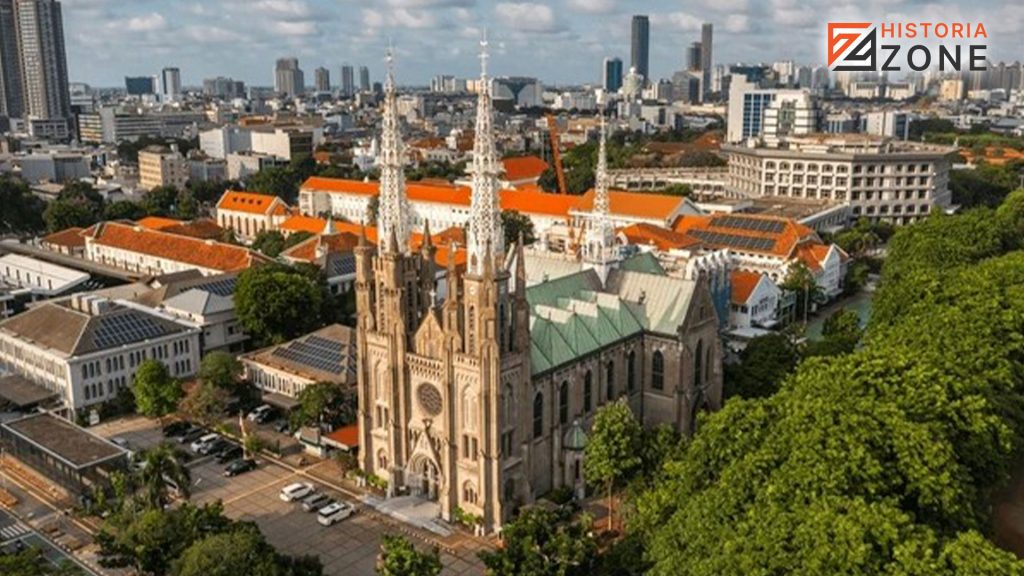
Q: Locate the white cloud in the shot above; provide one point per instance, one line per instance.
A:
(430, 3)
(212, 34)
(291, 8)
(593, 6)
(295, 28)
(527, 17)
(684, 21)
(737, 23)
(400, 18)
(146, 23)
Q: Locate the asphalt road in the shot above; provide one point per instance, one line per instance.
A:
(13, 531)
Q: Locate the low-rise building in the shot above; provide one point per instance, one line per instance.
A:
(248, 213)
(755, 301)
(281, 372)
(24, 280)
(87, 348)
(162, 166)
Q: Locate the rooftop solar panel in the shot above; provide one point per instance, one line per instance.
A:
(751, 224)
(735, 240)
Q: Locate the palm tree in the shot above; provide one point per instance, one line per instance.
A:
(160, 467)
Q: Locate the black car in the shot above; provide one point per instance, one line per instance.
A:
(177, 428)
(191, 436)
(215, 447)
(229, 453)
(239, 467)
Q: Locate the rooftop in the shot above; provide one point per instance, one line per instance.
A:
(201, 253)
(327, 355)
(249, 202)
(71, 444)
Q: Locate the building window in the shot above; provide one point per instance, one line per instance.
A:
(609, 381)
(563, 403)
(658, 371)
(698, 362)
(631, 371)
(587, 391)
(538, 416)
(468, 493)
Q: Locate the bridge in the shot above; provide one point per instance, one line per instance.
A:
(10, 246)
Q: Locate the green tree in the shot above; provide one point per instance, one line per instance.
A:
(800, 281)
(160, 201)
(516, 224)
(269, 242)
(205, 402)
(763, 364)
(840, 335)
(296, 238)
(221, 369)
(613, 452)
(540, 543)
(123, 210)
(277, 303)
(242, 550)
(684, 190)
(63, 214)
(326, 403)
(31, 562)
(187, 207)
(20, 210)
(398, 557)
(156, 393)
(280, 181)
(163, 464)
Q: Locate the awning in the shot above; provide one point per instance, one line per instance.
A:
(22, 392)
(281, 401)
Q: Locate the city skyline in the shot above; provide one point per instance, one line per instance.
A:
(570, 38)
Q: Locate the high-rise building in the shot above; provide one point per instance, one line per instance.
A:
(170, 84)
(348, 83)
(706, 62)
(288, 78)
(641, 54)
(612, 80)
(364, 79)
(694, 59)
(221, 87)
(322, 79)
(44, 69)
(140, 85)
(12, 102)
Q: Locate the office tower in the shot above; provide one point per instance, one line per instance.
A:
(348, 84)
(694, 57)
(140, 85)
(12, 102)
(170, 84)
(288, 78)
(612, 80)
(322, 79)
(364, 79)
(44, 68)
(641, 56)
(706, 63)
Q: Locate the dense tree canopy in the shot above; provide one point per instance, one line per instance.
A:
(277, 303)
(542, 543)
(762, 365)
(222, 369)
(398, 557)
(156, 392)
(269, 242)
(515, 223)
(20, 210)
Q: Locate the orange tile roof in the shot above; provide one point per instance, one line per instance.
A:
(661, 238)
(334, 243)
(634, 204)
(158, 223)
(69, 237)
(346, 435)
(310, 224)
(203, 253)
(537, 202)
(784, 242)
(813, 254)
(523, 168)
(743, 285)
(249, 202)
(205, 228)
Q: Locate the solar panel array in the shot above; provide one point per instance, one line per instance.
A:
(221, 287)
(751, 224)
(341, 265)
(126, 328)
(735, 240)
(317, 353)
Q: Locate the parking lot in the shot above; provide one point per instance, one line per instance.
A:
(348, 547)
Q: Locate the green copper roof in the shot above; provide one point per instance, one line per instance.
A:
(643, 262)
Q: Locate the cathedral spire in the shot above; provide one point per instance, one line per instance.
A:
(393, 210)
(599, 241)
(485, 229)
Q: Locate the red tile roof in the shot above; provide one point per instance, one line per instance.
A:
(346, 435)
(158, 223)
(634, 204)
(523, 168)
(783, 245)
(69, 238)
(333, 243)
(205, 228)
(538, 202)
(250, 202)
(743, 285)
(310, 224)
(645, 234)
(202, 253)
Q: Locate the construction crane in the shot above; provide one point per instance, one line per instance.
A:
(556, 153)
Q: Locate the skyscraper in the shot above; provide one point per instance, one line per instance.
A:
(140, 85)
(641, 55)
(12, 103)
(288, 77)
(348, 84)
(612, 78)
(364, 79)
(322, 79)
(170, 84)
(694, 57)
(706, 63)
(44, 68)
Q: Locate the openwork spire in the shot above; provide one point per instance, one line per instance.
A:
(599, 244)
(393, 209)
(485, 230)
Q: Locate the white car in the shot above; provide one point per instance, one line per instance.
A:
(333, 513)
(297, 491)
(258, 412)
(203, 441)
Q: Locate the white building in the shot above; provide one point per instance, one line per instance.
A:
(248, 214)
(791, 113)
(207, 303)
(748, 105)
(755, 300)
(241, 165)
(224, 140)
(86, 349)
(29, 279)
(327, 355)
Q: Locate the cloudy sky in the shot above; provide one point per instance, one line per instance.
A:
(560, 41)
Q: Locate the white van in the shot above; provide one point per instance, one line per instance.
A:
(297, 491)
(203, 441)
(334, 513)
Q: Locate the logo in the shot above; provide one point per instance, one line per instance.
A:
(953, 46)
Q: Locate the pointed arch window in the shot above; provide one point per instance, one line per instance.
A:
(658, 370)
(588, 385)
(698, 364)
(609, 380)
(563, 403)
(631, 371)
(538, 416)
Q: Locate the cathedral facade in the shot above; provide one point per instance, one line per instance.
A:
(468, 398)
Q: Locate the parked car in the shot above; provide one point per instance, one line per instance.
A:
(240, 467)
(214, 447)
(333, 513)
(296, 491)
(283, 426)
(175, 429)
(191, 436)
(200, 444)
(259, 414)
(229, 453)
(315, 502)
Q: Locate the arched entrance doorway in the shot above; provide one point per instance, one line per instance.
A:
(424, 478)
